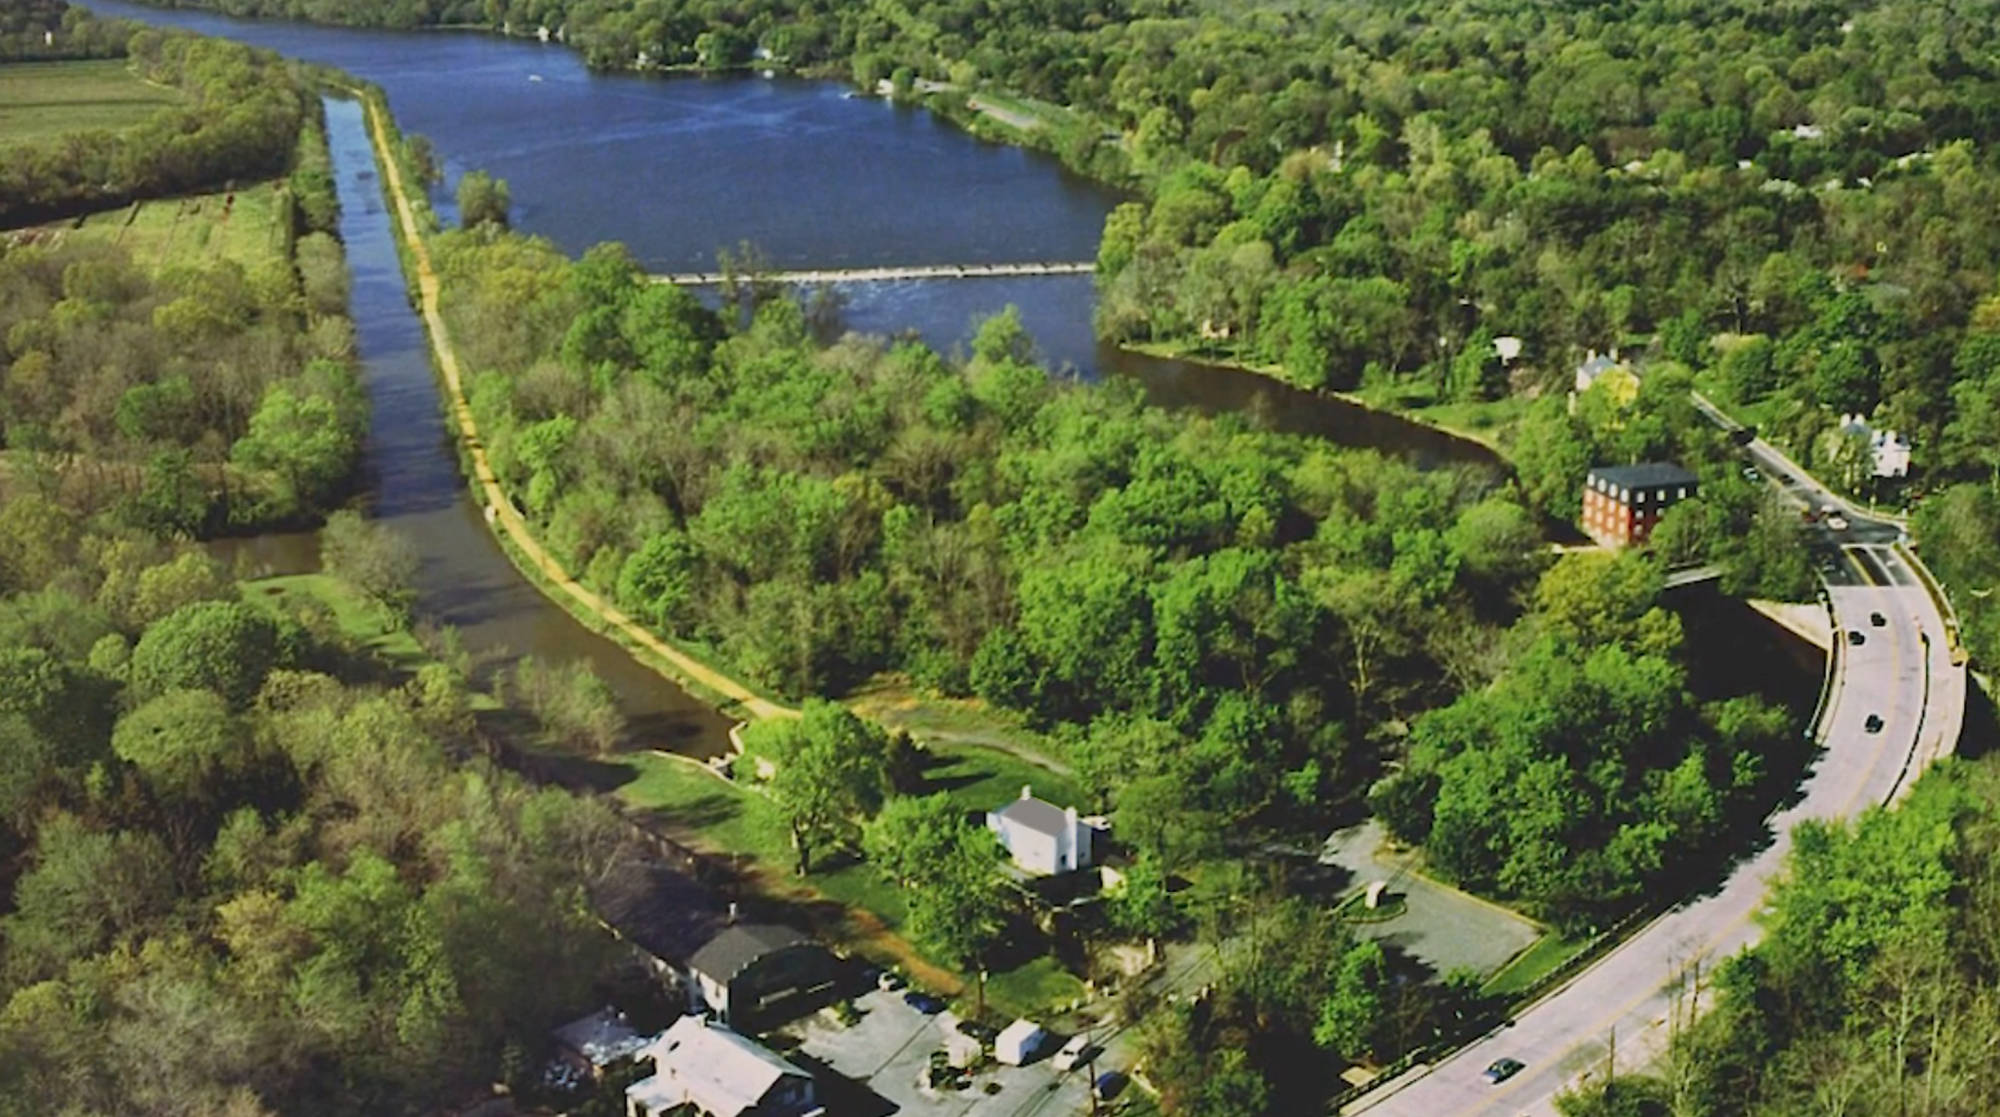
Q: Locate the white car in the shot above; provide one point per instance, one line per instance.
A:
(1837, 522)
(1071, 1053)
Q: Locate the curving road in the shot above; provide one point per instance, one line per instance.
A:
(1901, 671)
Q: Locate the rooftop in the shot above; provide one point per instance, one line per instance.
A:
(603, 1037)
(716, 1069)
(662, 911)
(729, 952)
(1035, 814)
(1645, 475)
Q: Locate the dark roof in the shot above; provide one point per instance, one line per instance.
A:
(661, 910)
(1035, 815)
(731, 951)
(1644, 476)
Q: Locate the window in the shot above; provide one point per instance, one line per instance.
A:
(1682, 495)
(1642, 496)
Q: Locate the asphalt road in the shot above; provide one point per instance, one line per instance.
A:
(1900, 672)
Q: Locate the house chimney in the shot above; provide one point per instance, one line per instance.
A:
(1589, 355)
(1069, 813)
(1614, 354)
(732, 913)
(1027, 791)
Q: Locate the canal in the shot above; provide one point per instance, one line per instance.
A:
(679, 167)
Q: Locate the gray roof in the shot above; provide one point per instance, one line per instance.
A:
(1645, 476)
(662, 911)
(728, 953)
(1035, 815)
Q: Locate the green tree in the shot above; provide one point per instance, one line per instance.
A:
(483, 200)
(823, 772)
(222, 646)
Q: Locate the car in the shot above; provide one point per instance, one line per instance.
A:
(1877, 619)
(1109, 1084)
(923, 1002)
(1071, 1053)
(1873, 724)
(1837, 522)
(889, 981)
(1500, 1070)
(1854, 636)
(983, 1033)
(1750, 473)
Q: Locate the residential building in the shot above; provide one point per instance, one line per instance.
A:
(718, 1073)
(598, 1040)
(1600, 366)
(750, 973)
(1622, 503)
(1044, 838)
(1888, 451)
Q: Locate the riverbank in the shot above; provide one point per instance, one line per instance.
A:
(1487, 424)
(507, 522)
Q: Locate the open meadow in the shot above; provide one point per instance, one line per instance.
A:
(248, 226)
(40, 99)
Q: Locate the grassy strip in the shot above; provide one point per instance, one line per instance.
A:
(196, 229)
(43, 99)
(1540, 959)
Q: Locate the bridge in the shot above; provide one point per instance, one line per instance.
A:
(886, 274)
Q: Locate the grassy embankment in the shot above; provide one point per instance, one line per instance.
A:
(42, 99)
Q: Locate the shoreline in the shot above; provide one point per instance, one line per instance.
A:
(1169, 351)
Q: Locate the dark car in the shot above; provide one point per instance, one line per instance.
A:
(1873, 724)
(923, 1002)
(1500, 1070)
(973, 1029)
(1854, 636)
(1109, 1084)
(1877, 619)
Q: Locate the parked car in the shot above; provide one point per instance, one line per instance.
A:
(973, 1029)
(1873, 724)
(1109, 1084)
(1877, 619)
(889, 981)
(1076, 1051)
(1837, 522)
(923, 1002)
(1854, 637)
(1500, 1070)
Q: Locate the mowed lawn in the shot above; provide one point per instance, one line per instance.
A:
(41, 99)
(245, 225)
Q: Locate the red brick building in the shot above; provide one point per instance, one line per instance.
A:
(1621, 503)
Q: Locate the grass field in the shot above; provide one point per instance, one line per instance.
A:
(199, 228)
(1529, 966)
(41, 99)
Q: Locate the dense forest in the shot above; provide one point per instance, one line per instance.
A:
(242, 859)
(53, 29)
(238, 120)
(1875, 991)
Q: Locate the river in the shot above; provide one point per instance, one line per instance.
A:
(678, 167)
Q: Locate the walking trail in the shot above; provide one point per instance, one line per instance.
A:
(502, 511)
(507, 518)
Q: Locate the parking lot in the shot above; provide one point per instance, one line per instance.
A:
(888, 1053)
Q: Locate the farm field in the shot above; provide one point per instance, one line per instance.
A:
(42, 99)
(248, 227)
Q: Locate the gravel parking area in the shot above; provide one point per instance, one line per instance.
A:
(885, 1057)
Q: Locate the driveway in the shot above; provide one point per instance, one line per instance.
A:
(886, 1055)
(1443, 927)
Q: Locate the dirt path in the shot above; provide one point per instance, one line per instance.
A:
(504, 516)
(501, 511)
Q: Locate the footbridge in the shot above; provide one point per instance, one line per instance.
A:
(885, 274)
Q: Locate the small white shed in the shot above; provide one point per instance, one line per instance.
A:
(1018, 1042)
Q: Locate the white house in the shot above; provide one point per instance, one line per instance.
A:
(1888, 451)
(1044, 838)
(720, 1074)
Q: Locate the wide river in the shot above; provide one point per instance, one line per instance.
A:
(677, 168)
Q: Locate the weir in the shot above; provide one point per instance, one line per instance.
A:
(883, 275)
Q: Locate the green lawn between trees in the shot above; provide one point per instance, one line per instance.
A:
(41, 99)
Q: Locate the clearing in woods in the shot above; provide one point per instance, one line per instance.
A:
(41, 99)
(247, 226)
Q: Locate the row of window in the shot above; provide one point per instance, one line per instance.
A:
(1634, 496)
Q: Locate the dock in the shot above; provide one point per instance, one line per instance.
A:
(887, 274)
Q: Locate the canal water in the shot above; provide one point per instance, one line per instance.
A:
(677, 168)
